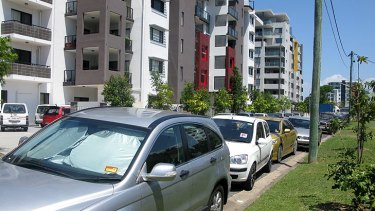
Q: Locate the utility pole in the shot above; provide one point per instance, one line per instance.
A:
(350, 80)
(314, 103)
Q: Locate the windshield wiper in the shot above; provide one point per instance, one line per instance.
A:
(37, 165)
(102, 179)
(237, 140)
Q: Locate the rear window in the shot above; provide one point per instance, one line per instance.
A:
(53, 111)
(42, 109)
(14, 108)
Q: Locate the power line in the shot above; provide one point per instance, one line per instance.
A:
(334, 35)
(337, 28)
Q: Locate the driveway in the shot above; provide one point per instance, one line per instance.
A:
(9, 139)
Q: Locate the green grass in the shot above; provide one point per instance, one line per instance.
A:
(307, 188)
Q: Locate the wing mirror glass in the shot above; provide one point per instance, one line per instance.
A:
(262, 141)
(161, 172)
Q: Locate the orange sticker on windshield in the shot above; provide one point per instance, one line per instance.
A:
(111, 169)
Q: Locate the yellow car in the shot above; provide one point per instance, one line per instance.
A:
(284, 137)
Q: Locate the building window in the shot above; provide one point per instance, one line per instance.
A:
(205, 53)
(251, 37)
(157, 35)
(251, 54)
(219, 62)
(158, 5)
(251, 70)
(44, 98)
(278, 30)
(114, 58)
(24, 57)
(257, 50)
(258, 70)
(22, 17)
(91, 22)
(252, 20)
(182, 19)
(127, 66)
(219, 82)
(220, 41)
(182, 72)
(115, 24)
(90, 58)
(257, 82)
(182, 45)
(220, 20)
(156, 66)
(220, 2)
(278, 40)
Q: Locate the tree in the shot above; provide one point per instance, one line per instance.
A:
(7, 57)
(360, 60)
(284, 103)
(238, 92)
(195, 101)
(187, 94)
(223, 101)
(164, 94)
(117, 91)
(324, 90)
(263, 102)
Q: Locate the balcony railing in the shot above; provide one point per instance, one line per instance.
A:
(274, 64)
(70, 42)
(232, 32)
(128, 45)
(275, 53)
(47, 1)
(69, 78)
(33, 70)
(232, 11)
(16, 27)
(129, 14)
(202, 14)
(71, 8)
(249, 3)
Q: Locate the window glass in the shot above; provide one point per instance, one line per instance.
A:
(14, 108)
(274, 126)
(158, 5)
(219, 82)
(260, 131)
(235, 130)
(196, 140)
(266, 128)
(156, 35)
(157, 66)
(167, 149)
(215, 140)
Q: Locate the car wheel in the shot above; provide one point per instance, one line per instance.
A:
(25, 129)
(216, 202)
(2, 129)
(268, 166)
(249, 184)
(295, 147)
(280, 153)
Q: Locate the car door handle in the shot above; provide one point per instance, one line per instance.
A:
(184, 173)
(213, 160)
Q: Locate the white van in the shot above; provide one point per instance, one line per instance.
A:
(14, 115)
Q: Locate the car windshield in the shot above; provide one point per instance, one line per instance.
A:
(302, 123)
(235, 130)
(52, 111)
(274, 126)
(14, 108)
(42, 109)
(326, 116)
(82, 149)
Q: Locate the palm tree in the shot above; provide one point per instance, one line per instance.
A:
(360, 60)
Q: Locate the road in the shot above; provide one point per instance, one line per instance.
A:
(9, 139)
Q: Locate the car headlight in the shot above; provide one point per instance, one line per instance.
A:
(238, 159)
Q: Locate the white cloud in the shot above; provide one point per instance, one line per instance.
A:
(333, 78)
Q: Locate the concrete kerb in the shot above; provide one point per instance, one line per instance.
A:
(244, 199)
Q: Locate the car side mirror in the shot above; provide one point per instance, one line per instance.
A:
(287, 130)
(262, 141)
(22, 139)
(161, 172)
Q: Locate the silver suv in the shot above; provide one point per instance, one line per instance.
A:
(119, 159)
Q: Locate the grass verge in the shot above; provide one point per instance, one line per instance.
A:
(307, 188)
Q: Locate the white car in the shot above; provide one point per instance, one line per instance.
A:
(250, 145)
(14, 115)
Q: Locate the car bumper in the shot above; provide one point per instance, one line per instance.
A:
(303, 143)
(239, 174)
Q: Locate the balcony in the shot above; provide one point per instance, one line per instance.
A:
(128, 46)
(275, 54)
(34, 4)
(33, 70)
(16, 27)
(249, 4)
(274, 64)
(232, 33)
(70, 42)
(129, 14)
(71, 8)
(233, 14)
(69, 78)
(202, 14)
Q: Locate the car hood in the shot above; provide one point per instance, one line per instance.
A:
(303, 131)
(26, 189)
(238, 148)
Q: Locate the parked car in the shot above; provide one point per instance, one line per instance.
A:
(284, 137)
(277, 115)
(251, 114)
(14, 115)
(53, 113)
(39, 112)
(250, 145)
(302, 125)
(115, 158)
(260, 114)
(327, 122)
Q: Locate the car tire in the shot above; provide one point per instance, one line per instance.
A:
(295, 148)
(280, 153)
(2, 129)
(216, 202)
(249, 184)
(25, 129)
(268, 166)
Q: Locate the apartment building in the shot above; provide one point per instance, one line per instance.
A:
(278, 57)
(339, 93)
(28, 23)
(208, 39)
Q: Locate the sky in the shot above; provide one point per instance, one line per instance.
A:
(355, 20)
